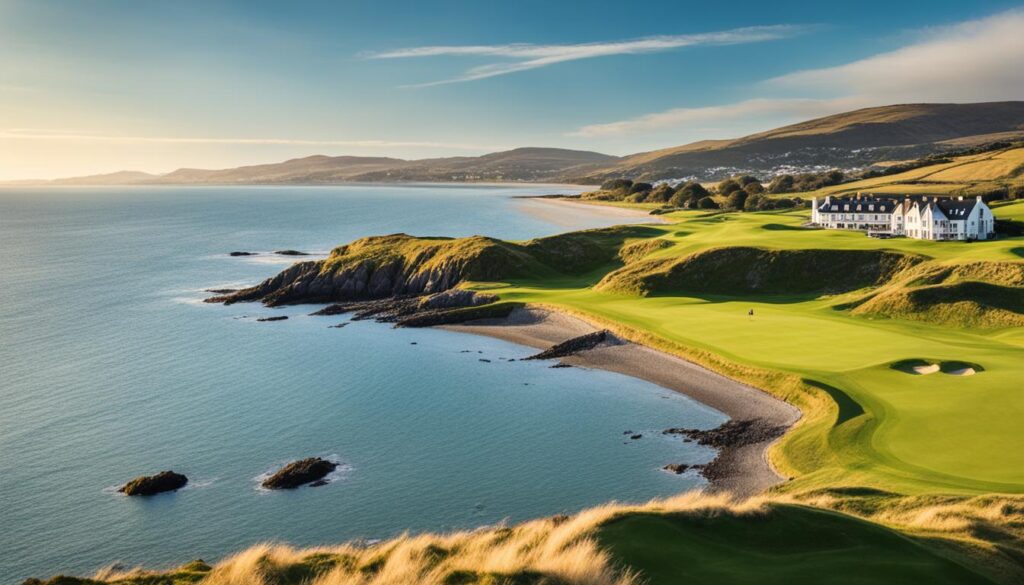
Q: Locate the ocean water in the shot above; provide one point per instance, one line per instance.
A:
(112, 367)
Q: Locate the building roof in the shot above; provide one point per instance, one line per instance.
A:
(859, 205)
(954, 209)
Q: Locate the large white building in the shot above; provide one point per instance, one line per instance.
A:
(923, 218)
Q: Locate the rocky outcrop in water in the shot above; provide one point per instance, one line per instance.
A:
(150, 485)
(572, 346)
(242, 254)
(271, 319)
(291, 253)
(299, 473)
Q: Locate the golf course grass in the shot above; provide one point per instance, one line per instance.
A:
(788, 545)
(917, 434)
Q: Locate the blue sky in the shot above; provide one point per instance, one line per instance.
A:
(96, 86)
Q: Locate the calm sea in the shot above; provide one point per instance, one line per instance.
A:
(111, 367)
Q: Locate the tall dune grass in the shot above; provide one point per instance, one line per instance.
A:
(558, 550)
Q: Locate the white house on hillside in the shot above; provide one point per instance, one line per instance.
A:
(923, 218)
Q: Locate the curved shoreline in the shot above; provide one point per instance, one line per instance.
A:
(748, 471)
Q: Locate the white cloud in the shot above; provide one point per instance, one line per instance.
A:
(76, 136)
(754, 109)
(535, 56)
(979, 60)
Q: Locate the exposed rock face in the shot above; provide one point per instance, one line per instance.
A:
(299, 473)
(676, 468)
(734, 433)
(728, 438)
(453, 306)
(574, 345)
(149, 485)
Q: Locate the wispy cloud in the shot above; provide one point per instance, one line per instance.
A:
(978, 60)
(528, 56)
(748, 109)
(67, 135)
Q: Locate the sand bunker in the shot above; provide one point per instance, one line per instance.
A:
(962, 372)
(925, 370)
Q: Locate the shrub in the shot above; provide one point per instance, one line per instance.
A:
(737, 200)
(781, 184)
(707, 203)
(616, 185)
(753, 188)
(640, 187)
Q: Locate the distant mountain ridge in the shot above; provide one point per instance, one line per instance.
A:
(518, 165)
(849, 140)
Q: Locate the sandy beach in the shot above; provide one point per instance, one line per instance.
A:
(557, 211)
(748, 470)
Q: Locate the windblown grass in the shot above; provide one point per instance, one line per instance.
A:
(559, 550)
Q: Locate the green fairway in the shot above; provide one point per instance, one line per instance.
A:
(789, 545)
(917, 433)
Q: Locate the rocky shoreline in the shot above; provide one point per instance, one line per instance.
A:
(757, 419)
(370, 281)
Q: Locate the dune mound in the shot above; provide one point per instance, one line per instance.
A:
(737, 271)
(962, 304)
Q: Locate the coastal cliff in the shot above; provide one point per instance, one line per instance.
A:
(400, 265)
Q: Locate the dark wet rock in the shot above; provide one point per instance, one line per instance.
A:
(413, 343)
(560, 365)
(727, 438)
(149, 485)
(636, 436)
(319, 482)
(268, 319)
(573, 346)
(676, 468)
(243, 254)
(290, 253)
(734, 433)
(454, 306)
(338, 326)
(485, 360)
(627, 432)
(221, 291)
(299, 473)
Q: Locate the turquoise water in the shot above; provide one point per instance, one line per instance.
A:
(111, 367)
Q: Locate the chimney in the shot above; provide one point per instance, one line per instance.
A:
(979, 197)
